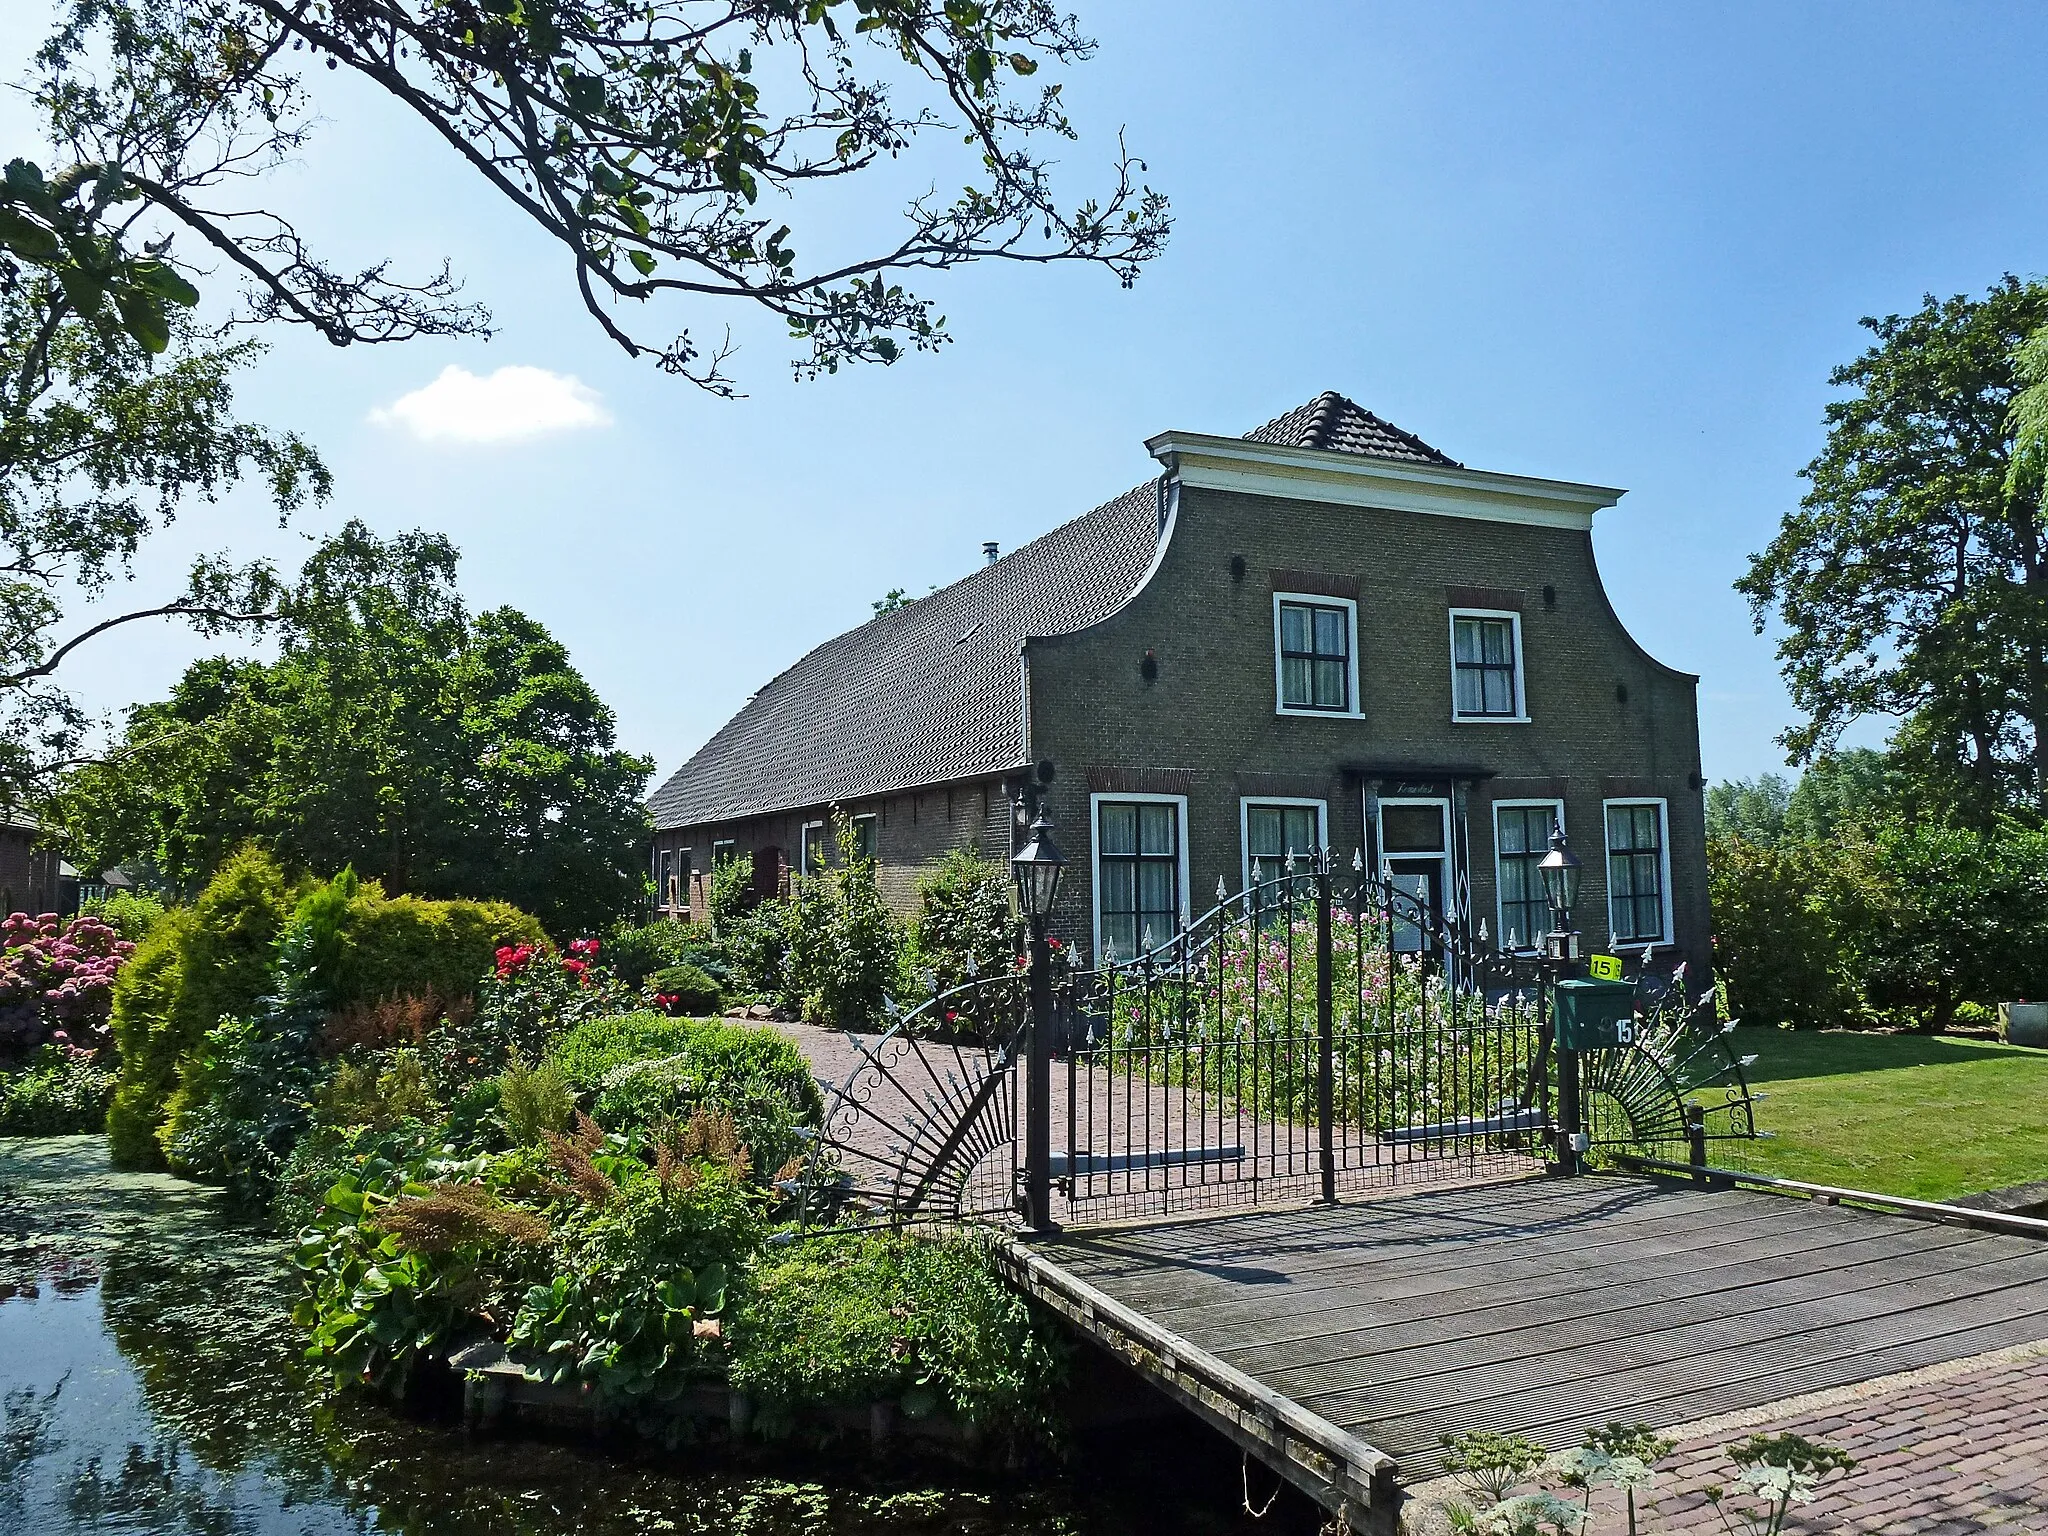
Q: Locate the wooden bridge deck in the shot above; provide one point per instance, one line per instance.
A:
(1346, 1340)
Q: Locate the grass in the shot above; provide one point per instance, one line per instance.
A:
(1929, 1117)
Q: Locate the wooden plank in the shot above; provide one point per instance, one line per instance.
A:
(1657, 1391)
(1791, 1309)
(1740, 1283)
(1505, 1279)
(1336, 1251)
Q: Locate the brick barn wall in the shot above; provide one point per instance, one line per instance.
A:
(913, 831)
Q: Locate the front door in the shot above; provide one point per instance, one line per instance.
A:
(1415, 857)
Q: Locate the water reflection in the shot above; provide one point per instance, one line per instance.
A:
(150, 1381)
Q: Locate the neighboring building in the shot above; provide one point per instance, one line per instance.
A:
(1323, 632)
(29, 879)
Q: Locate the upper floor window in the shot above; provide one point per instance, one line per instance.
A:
(1486, 665)
(1521, 837)
(1638, 872)
(1315, 654)
(1138, 873)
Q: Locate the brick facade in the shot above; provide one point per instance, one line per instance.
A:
(1606, 721)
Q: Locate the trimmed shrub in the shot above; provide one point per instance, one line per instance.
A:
(198, 967)
(405, 946)
(687, 991)
(593, 1048)
(1777, 940)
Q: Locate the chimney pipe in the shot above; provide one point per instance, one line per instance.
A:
(989, 551)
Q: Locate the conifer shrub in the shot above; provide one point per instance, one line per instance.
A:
(198, 966)
(406, 946)
(687, 992)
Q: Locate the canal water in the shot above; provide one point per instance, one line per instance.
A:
(151, 1381)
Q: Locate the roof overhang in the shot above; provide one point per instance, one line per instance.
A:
(1349, 479)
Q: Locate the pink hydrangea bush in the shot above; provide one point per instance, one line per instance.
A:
(57, 981)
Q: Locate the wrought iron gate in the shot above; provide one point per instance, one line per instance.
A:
(1319, 1032)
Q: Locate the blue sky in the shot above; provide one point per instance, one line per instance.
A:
(1621, 244)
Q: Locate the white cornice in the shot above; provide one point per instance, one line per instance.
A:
(1349, 479)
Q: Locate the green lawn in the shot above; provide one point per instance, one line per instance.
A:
(1930, 1117)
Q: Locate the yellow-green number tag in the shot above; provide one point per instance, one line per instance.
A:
(1604, 967)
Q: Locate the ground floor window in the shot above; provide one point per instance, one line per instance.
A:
(1521, 837)
(864, 837)
(1637, 873)
(815, 851)
(1273, 829)
(1138, 897)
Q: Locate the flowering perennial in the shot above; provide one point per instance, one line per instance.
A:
(57, 980)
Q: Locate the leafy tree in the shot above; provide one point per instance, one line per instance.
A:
(1752, 809)
(1913, 580)
(1839, 790)
(440, 753)
(101, 439)
(641, 137)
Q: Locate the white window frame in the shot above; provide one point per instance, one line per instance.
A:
(1556, 808)
(1319, 600)
(1095, 852)
(874, 822)
(1521, 714)
(1664, 871)
(722, 849)
(1244, 827)
(803, 846)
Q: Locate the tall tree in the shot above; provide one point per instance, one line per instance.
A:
(1913, 580)
(641, 136)
(443, 753)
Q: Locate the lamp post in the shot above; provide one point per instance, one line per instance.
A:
(1560, 870)
(1036, 867)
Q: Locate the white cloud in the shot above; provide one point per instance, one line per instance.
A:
(513, 403)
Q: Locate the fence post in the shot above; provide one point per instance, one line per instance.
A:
(1038, 1088)
(1696, 1140)
(1326, 1033)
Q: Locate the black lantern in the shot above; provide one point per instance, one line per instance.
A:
(1037, 867)
(1560, 869)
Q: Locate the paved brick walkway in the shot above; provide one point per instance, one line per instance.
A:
(1951, 1451)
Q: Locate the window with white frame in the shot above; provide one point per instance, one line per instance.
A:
(1521, 837)
(1273, 829)
(1638, 872)
(682, 896)
(1139, 868)
(814, 853)
(1486, 665)
(722, 850)
(1315, 654)
(664, 878)
(864, 837)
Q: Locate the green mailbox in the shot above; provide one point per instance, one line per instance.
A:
(1595, 1015)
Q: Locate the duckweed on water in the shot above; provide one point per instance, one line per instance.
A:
(150, 1380)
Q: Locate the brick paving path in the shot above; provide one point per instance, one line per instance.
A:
(1954, 1450)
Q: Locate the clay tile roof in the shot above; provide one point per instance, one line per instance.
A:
(932, 692)
(1337, 425)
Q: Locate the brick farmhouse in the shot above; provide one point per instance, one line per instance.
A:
(30, 873)
(1322, 633)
